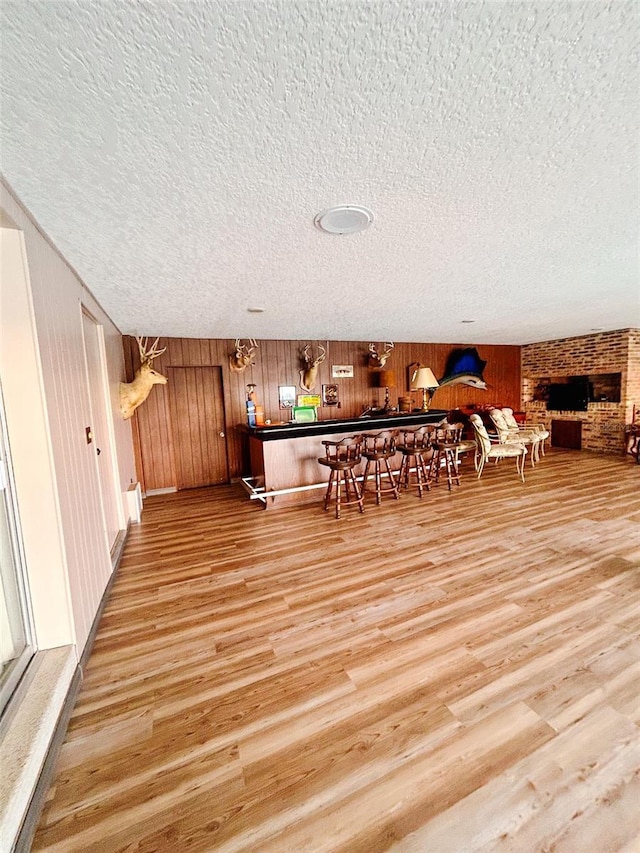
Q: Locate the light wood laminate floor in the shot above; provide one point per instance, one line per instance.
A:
(457, 673)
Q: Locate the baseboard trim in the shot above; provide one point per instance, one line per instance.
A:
(27, 831)
(29, 825)
(116, 557)
(118, 547)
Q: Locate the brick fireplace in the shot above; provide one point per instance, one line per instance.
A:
(600, 354)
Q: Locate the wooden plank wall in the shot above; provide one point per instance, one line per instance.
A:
(278, 363)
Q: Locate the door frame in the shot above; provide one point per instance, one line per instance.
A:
(109, 489)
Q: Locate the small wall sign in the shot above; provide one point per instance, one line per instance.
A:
(309, 400)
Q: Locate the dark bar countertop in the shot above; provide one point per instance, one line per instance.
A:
(365, 423)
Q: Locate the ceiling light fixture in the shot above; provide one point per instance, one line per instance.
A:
(467, 321)
(344, 219)
(255, 310)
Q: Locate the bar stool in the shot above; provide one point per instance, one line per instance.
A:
(445, 447)
(342, 457)
(378, 449)
(465, 445)
(414, 444)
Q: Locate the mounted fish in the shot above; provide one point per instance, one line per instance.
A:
(464, 367)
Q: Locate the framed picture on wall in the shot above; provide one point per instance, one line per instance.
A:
(342, 371)
(287, 396)
(330, 395)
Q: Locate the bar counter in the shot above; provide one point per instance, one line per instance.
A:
(284, 457)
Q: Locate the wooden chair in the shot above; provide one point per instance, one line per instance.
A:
(378, 449)
(632, 441)
(490, 448)
(342, 457)
(464, 444)
(445, 445)
(414, 445)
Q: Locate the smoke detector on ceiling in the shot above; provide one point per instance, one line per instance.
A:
(344, 219)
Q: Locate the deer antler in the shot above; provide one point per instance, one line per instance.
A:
(240, 359)
(147, 355)
(319, 358)
(378, 360)
(309, 376)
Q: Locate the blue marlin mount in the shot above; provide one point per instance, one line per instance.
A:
(464, 367)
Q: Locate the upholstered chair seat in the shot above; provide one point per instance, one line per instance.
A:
(506, 434)
(490, 448)
(540, 431)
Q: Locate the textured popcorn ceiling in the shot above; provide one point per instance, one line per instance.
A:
(176, 152)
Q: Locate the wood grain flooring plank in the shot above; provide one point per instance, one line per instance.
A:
(458, 673)
(374, 817)
(565, 796)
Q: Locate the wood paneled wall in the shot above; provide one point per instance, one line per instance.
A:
(278, 363)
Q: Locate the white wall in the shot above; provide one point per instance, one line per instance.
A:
(31, 452)
(82, 566)
(46, 401)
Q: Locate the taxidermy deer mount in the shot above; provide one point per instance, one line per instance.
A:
(136, 392)
(240, 359)
(378, 360)
(309, 373)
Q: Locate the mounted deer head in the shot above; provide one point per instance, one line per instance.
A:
(136, 392)
(309, 374)
(240, 359)
(378, 361)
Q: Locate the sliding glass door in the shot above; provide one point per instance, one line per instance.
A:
(16, 645)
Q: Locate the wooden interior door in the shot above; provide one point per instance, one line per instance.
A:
(196, 406)
(99, 400)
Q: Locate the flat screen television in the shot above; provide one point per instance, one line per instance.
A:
(569, 397)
